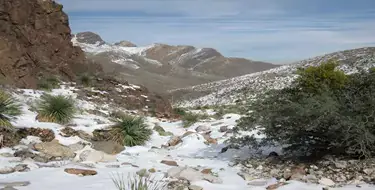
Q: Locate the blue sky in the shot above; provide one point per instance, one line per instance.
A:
(269, 30)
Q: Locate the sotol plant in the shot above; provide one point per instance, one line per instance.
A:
(8, 109)
(137, 182)
(58, 109)
(130, 131)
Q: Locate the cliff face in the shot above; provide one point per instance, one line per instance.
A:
(35, 41)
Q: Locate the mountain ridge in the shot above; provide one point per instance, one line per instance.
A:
(239, 89)
(164, 67)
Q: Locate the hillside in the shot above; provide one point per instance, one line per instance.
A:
(248, 86)
(163, 67)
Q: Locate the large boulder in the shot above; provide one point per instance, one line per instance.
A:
(55, 149)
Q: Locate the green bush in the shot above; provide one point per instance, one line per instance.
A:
(57, 109)
(137, 182)
(189, 119)
(179, 111)
(48, 83)
(130, 131)
(86, 79)
(8, 109)
(323, 112)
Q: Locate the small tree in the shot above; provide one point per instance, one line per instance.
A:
(324, 111)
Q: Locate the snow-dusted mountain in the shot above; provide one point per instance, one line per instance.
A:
(247, 86)
(164, 67)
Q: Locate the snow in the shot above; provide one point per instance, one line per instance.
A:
(192, 152)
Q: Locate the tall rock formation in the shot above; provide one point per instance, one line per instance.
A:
(35, 41)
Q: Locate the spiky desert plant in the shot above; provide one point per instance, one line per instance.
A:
(85, 79)
(130, 131)
(9, 108)
(57, 109)
(136, 182)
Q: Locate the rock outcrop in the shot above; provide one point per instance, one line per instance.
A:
(35, 41)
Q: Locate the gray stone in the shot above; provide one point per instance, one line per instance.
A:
(341, 164)
(96, 156)
(195, 187)
(21, 168)
(15, 184)
(8, 188)
(223, 129)
(77, 146)
(54, 149)
(258, 183)
(109, 147)
(245, 176)
(7, 170)
(203, 128)
(326, 182)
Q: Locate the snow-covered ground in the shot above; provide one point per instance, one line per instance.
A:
(192, 152)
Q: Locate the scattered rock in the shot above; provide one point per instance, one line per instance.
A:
(45, 135)
(210, 140)
(169, 163)
(113, 166)
(207, 171)
(275, 186)
(223, 129)
(68, 132)
(326, 182)
(245, 176)
(81, 172)
(55, 149)
(257, 183)
(191, 174)
(21, 168)
(216, 124)
(8, 188)
(187, 133)
(203, 128)
(15, 184)
(101, 135)
(212, 179)
(195, 187)
(91, 155)
(6, 154)
(9, 137)
(129, 164)
(161, 131)
(152, 170)
(369, 171)
(341, 164)
(180, 184)
(77, 146)
(173, 141)
(109, 147)
(7, 170)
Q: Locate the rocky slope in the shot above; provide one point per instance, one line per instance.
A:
(35, 41)
(162, 67)
(248, 86)
(35, 45)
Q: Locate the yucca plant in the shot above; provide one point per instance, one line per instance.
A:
(137, 182)
(9, 108)
(130, 131)
(57, 109)
(85, 79)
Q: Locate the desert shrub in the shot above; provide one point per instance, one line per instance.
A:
(179, 111)
(86, 79)
(48, 83)
(9, 108)
(130, 131)
(189, 119)
(58, 109)
(137, 182)
(323, 112)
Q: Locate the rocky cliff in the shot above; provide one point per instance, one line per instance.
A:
(35, 41)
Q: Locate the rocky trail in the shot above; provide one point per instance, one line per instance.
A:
(184, 158)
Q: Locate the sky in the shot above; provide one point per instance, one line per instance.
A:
(278, 31)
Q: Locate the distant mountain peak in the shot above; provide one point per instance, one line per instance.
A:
(89, 38)
(125, 43)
